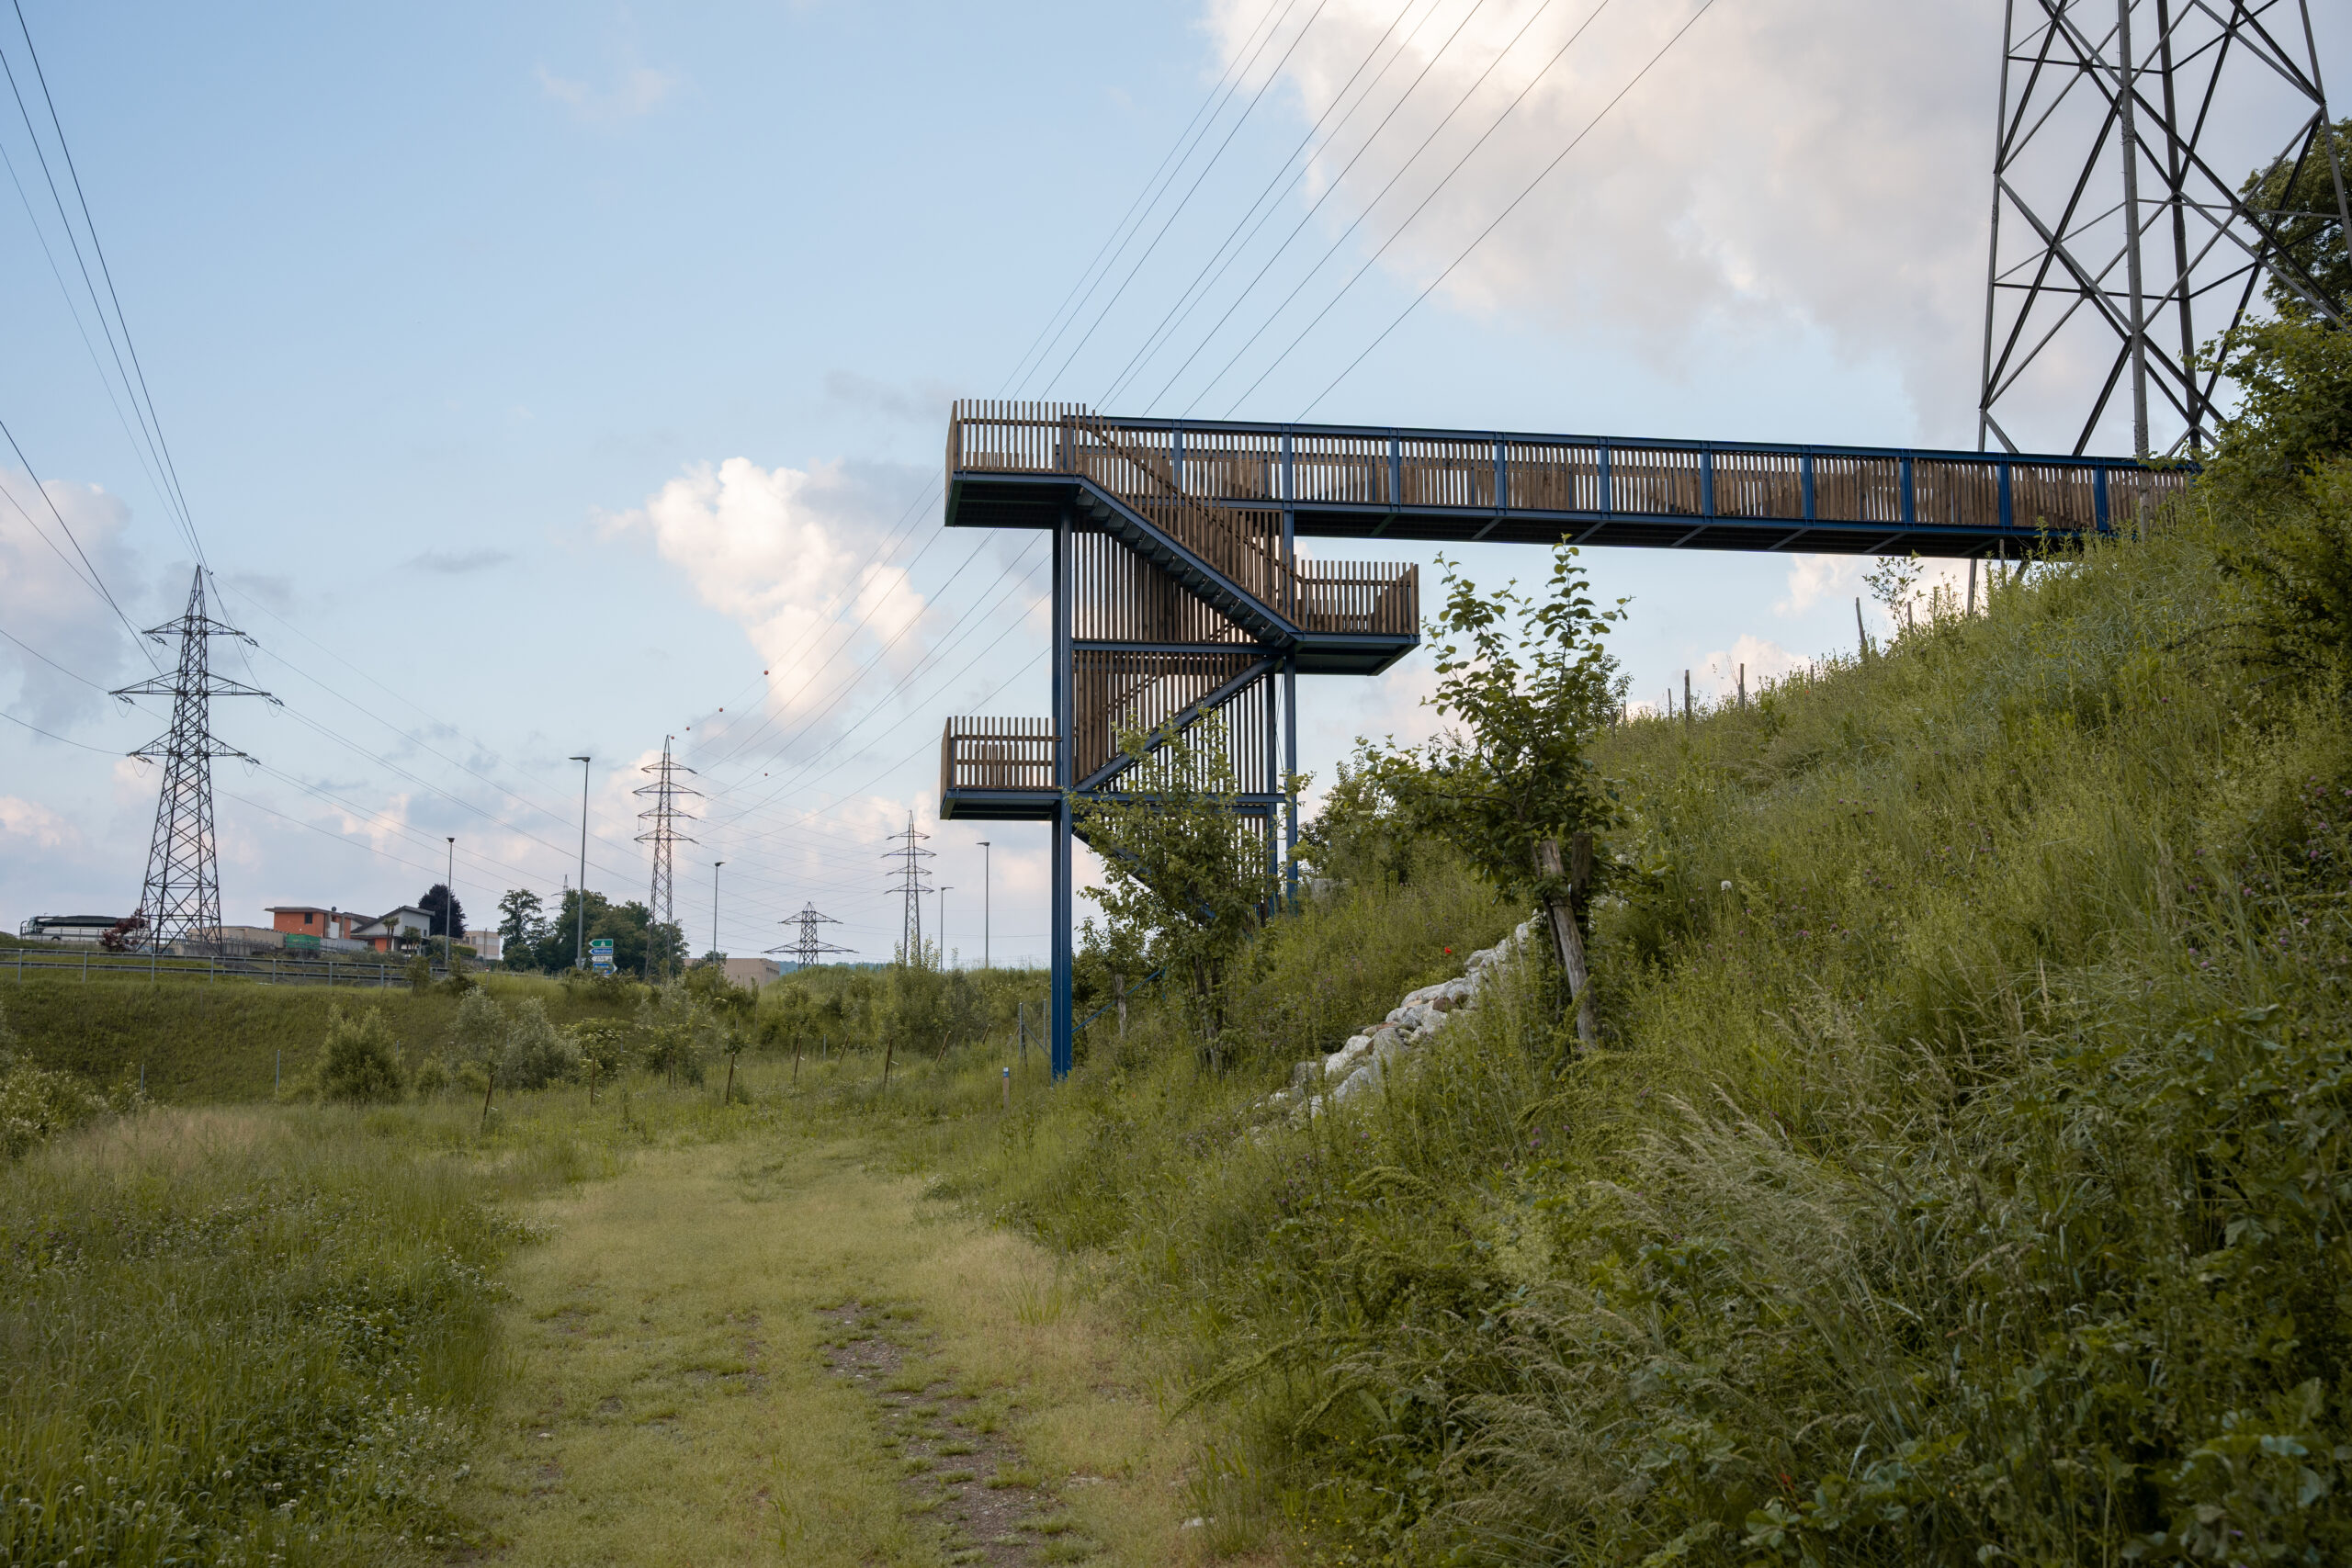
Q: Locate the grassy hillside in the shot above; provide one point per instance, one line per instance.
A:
(1963, 1177)
(200, 1042)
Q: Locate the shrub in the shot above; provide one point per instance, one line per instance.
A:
(535, 1052)
(432, 1075)
(35, 1104)
(361, 1061)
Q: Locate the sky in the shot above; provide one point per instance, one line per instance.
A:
(545, 380)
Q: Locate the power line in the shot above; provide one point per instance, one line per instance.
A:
(1178, 210)
(1185, 302)
(1704, 8)
(1402, 168)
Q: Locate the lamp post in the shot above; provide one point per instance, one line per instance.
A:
(714, 906)
(450, 912)
(943, 891)
(984, 903)
(580, 959)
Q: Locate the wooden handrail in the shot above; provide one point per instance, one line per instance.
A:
(997, 754)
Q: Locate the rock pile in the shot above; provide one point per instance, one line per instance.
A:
(1361, 1065)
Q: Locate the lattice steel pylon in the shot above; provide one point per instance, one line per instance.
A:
(910, 854)
(665, 814)
(2122, 241)
(808, 947)
(181, 898)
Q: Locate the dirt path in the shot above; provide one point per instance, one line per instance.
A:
(769, 1352)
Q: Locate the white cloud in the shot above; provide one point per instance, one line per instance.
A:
(1812, 579)
(1819, 165)
(1752, 658)
(36, 825)
(783, 553)
(62, 629)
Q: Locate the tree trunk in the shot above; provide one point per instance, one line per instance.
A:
(1566, 937)
(728, 1096)
(490, 1083)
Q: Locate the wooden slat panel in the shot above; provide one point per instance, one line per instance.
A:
(2052, 496)
(1760, 484)
(1961, 495)
(997, 753)
(1654, 481)
(1546, 478)
(1361, 596)
(1857, 490)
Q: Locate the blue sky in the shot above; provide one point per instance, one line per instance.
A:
(537, 377)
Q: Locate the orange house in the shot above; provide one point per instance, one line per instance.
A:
(309, 920)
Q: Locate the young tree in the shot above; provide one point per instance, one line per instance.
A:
(1186, 882)
(1512, 785)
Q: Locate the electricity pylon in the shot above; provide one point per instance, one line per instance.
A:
(2122, 239)
(182, 894)
(665, 814)
(910, 854)
(808, 948)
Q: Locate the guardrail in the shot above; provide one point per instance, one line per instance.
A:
(997, 753)
(18, 963)
(1373, 472)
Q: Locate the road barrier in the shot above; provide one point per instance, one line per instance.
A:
(273, 970)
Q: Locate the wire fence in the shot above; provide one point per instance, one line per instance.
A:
(378, 973)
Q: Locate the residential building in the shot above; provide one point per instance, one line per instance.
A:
(309, 920)
(396, 926)
(489, 946)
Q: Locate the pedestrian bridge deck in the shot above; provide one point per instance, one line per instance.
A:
(1015, 465)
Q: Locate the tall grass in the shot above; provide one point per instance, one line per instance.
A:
(234, 1337)
(1963, 1178)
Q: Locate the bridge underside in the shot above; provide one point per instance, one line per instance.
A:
(1179, 591)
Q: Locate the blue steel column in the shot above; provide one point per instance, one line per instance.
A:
(1290, 771)
(1065, 776)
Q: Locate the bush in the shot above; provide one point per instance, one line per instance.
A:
(35, 1104)
(534, 1054)
(361, 1061)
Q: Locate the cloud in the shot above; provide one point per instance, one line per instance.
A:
(456, 563)
(36, 826)
(1813, 167)
(635, 91)
(1722, 671)
(65, 645)
(1812, 579)
(784, 553)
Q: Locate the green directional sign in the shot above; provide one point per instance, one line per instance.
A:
(301, 942)
(600, 954)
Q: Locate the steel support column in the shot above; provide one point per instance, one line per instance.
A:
(1290, 776)
(1065, 776)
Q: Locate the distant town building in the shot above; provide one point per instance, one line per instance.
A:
(489, 946)
(752, 972)
(383, 933)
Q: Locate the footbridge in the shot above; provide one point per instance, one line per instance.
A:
(1180, 590)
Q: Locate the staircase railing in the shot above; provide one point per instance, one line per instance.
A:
(997, 754)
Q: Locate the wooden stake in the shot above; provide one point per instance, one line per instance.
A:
(1569, 941)
(1858, 628)
(1971, 586)
(1686, 696)
(1743, 686)
(796, 1066)
(889, 1046)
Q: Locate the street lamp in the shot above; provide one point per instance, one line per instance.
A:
(449, 911)
(943, 891)
(984, 903)
(580, 959)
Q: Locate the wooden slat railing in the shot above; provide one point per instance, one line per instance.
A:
(1275, 466)
(1360, 597)
(997, 754)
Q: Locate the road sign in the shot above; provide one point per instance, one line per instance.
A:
(600, 954)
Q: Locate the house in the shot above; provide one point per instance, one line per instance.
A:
(309, 920)
(489, 946)
(391, 930)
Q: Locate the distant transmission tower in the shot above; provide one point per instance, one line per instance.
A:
(665, 814)
(2122, 241)
(182, 894)
(910, 854)
(808, 947)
